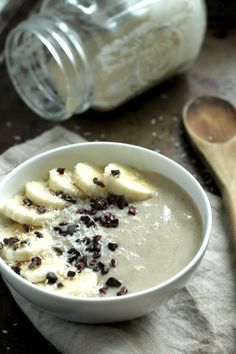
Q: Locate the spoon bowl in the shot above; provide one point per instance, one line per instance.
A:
(210, 122)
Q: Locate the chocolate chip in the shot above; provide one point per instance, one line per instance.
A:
(51, 278)
(113, 263)
(113, 282)
(27, 202)
(98, 182)
(71, 273)
(71, 229)
(60, 285)
(27, 228)
(115, 173)
(35, 262)
(61, 170)
(103, 290)
(58, 250)
(132, 210)
(112, 246)
(41, 209)
(11, 240)
(16, 269)
(122, 291)
(70, 198)
(38, 234)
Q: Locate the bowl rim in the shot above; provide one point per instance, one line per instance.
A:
(184, 271)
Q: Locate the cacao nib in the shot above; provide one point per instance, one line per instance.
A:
(27, 202)
(71, 229)
(113, 263)
(115, 173)
(122, 291)
(80, 266)
(87, 221)
(38, 234)
(132, 210)
(70, 198)
(71, 273)
(11, 240)
(35, 262)
(112, 246)
(109, 220)
(113, 282)
(103, 290)
(61, 170)
(41, 209)
(97, 238)
(51, 278)
(99, 204)
(16, 269)
(58, 250)
(27, 228)
(98, 182)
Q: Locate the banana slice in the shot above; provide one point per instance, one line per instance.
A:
(39, 193)
(39, 274)
(29, 244)
(16, 210)
(123, 180)
(63, 182)
(90, 180)
(83, 284)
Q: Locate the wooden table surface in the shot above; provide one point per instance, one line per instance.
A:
(152, 120)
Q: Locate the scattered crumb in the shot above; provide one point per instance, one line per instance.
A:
(183, 155)
(8, 348)
(177, 145)
(17, 137)
(15, 324)
(102, 136)
(154, 134)
(4, 331)
(160, 118)
(175, 119)
(210, 137)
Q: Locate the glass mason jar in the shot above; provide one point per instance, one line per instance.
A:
(77, 54)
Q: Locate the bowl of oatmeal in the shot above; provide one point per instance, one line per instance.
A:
(101, 232)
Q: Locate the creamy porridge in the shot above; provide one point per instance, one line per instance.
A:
(93, 233)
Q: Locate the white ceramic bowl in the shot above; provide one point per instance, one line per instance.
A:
(110, 309)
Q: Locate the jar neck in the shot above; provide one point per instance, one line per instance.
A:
(48, 67)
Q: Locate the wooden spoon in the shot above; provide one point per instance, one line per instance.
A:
(211, 124)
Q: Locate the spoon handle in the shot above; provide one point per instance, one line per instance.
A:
(229, 197)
